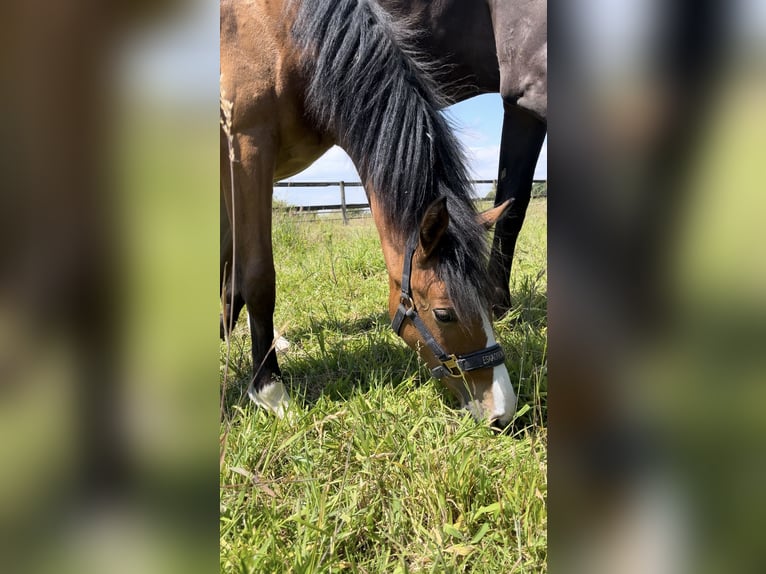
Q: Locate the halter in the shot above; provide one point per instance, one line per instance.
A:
(449, 365)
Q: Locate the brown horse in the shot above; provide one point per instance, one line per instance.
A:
(490, 46)
(300, 77)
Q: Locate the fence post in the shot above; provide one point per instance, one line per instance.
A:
(343, 202)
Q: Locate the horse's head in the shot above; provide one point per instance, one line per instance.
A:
(453, 337)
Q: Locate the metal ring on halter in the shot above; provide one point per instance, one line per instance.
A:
(452, 368)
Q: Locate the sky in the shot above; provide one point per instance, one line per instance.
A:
(478, 123)
(177, 60)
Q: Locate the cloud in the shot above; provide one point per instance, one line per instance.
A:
(319, 195)
(472, 135)
(541, 171)
(334, 165)
(483, 161)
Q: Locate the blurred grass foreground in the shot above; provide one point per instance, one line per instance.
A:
(108, 304)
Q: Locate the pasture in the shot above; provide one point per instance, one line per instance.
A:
(375, 470)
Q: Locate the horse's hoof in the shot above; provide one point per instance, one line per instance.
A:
(272, 396)
(501, 302)
(280, 343)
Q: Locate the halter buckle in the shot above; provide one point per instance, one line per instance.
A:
(452, 366)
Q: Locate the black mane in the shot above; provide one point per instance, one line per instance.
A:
(369, 88)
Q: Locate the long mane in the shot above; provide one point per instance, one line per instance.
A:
(369, 88)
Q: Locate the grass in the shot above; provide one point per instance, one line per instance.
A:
(376, 471)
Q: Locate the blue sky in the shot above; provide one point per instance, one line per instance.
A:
(176, 60)
(478, 123)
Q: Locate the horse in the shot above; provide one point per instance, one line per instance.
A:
(492, 46)
(299, 76)
(489, 47)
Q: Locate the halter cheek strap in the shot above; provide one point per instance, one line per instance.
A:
(450, 365)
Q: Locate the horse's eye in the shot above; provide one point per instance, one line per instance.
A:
(444, 315)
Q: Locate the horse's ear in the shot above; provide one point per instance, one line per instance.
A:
(488, 218)
(432, 226)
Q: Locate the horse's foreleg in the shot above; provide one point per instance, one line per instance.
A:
(232, 299)
(254, 275)
(522, 140)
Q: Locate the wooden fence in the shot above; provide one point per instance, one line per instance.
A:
(344, 207)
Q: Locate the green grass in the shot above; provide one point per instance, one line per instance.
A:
(376, 471)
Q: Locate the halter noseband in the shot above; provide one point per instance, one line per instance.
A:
(449, 365)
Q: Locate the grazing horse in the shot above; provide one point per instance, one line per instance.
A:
(489, 46)
(299, 76)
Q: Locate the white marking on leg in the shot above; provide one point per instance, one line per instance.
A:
(273, 397)
(503, 397)
(280, 343)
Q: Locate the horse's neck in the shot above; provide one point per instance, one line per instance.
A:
(390, 242)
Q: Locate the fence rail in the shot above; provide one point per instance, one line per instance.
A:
(344, 207)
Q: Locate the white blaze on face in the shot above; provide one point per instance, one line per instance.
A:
(503, 397)
(273, 397)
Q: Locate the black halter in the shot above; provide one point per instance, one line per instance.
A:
(450, 365)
